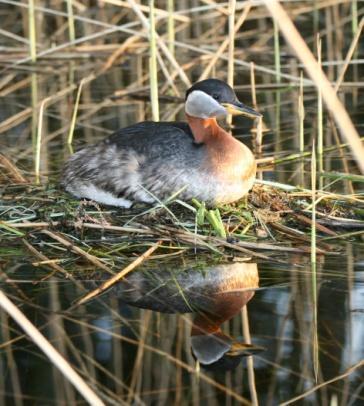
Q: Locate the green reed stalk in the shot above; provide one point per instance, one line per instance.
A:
(313, 261)
(213, 217)
(277, 65)
(301, 119)
(252, 84)
(71, 21)
(313, 194)
(170, 26)
(354, 16)
(277, 55)
(354, 28)
(32, 32)
(34, 79)
(344, 176)
(74, 114)
(153, 75)
(301, 116)
(320, 132)
(231, 49)
(34, 98)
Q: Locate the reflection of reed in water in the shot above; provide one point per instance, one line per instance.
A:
(215, 295)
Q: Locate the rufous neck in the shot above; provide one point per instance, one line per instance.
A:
(224, 308)
(203, 128)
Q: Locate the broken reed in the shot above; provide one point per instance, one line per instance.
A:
(38, 144)
(74, 114)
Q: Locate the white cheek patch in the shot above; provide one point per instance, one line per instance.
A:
(199, 104)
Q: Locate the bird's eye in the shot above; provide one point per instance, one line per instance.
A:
(215, 96)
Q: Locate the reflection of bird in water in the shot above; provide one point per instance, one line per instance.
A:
(198, 159)
(215, 295)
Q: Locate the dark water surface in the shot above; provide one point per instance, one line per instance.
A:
(146, 355)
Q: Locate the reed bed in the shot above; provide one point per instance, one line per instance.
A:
(73, 72)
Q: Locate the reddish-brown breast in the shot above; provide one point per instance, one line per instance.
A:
(226, 156)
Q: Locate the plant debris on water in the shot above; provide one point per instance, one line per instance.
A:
(270, 223)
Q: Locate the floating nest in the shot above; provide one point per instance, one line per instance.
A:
(63, 233)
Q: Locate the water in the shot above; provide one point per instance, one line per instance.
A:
(130, 354)
(147, 355)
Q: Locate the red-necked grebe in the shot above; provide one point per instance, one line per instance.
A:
(157, 159)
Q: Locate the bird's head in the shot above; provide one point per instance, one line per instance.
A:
(215, 98)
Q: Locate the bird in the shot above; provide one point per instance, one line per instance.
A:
(213, 295)
(150, 161)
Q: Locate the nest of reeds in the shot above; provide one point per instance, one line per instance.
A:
(63, 233)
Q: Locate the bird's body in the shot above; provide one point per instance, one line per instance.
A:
(154, 160)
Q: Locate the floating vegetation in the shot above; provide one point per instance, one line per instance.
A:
(273, 222)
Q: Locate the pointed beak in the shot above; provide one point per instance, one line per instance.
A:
(237, 107)
(243, 349)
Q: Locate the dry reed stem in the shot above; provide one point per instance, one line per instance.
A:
(322, 384)
(26, 113)
(53, 265)
(55, 357)
(15, 119)
(222, 10)
(12, 170)
(308, 221)
(110, 282)
(118, 52)
(75, 109)
(137, 9)
(341, 116)
(15, 86)
(206, 72)
(138, 363)
(349, 55)
(250, 360)
(91, 258)
(158, 11)
(39, 139)
(169, 357)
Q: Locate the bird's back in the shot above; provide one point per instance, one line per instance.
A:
(135, 162)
